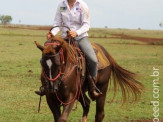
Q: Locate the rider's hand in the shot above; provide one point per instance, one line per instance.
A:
(72, 34)
(49, 35)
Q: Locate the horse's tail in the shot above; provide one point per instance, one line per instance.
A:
(125, 79)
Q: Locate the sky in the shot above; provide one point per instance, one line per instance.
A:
(131, 14)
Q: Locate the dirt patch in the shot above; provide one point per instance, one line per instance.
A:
(147, 40)
(142, 39)
(31, 27)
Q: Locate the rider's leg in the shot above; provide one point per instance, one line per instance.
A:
(87, 49)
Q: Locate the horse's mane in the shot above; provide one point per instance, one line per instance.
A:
(64, 46)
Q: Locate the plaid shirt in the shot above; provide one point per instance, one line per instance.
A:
(77, 19)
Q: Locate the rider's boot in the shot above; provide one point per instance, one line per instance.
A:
(94, 92)
(41, 92)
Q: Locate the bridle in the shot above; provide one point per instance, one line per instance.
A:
(60, 52)
(50, 56)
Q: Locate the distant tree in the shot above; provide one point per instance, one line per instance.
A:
(161, 24)
(19, 21)
(5, 19)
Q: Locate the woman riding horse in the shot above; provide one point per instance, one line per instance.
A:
(75, 15)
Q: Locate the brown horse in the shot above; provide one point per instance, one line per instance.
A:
(61, 80)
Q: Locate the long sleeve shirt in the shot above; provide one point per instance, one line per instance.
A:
(77, 19)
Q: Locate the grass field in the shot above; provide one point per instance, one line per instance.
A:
(20, 71)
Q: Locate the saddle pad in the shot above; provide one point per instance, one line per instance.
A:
(102, 59)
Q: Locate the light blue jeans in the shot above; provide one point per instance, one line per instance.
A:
(91, 59)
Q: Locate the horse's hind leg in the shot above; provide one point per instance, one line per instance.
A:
(100, 102)
(85, 102)
(54, 106)
(102, 84)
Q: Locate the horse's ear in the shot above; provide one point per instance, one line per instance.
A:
(39, 46)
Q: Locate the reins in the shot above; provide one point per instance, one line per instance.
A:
(53, 79)
(59, 27)
(76, 94)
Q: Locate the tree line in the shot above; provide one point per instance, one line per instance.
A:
(7, 19)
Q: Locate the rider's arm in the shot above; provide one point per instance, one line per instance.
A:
(57, 21)
(85, 20)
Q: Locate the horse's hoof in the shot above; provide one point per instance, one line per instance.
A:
(84, 119)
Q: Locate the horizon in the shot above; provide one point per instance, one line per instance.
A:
(30, 25)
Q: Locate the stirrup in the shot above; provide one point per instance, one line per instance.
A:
(41, 92)
(94, 95)
(97, 89)
(94, 92)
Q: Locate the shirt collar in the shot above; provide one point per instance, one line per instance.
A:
(66, 2)
(77, 1)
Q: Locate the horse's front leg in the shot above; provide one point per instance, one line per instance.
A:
(54, 106)
(66, 110)
(85, 102)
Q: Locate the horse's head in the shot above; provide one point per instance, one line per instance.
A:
(53, 58)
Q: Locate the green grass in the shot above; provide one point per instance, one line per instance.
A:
(20, 72)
